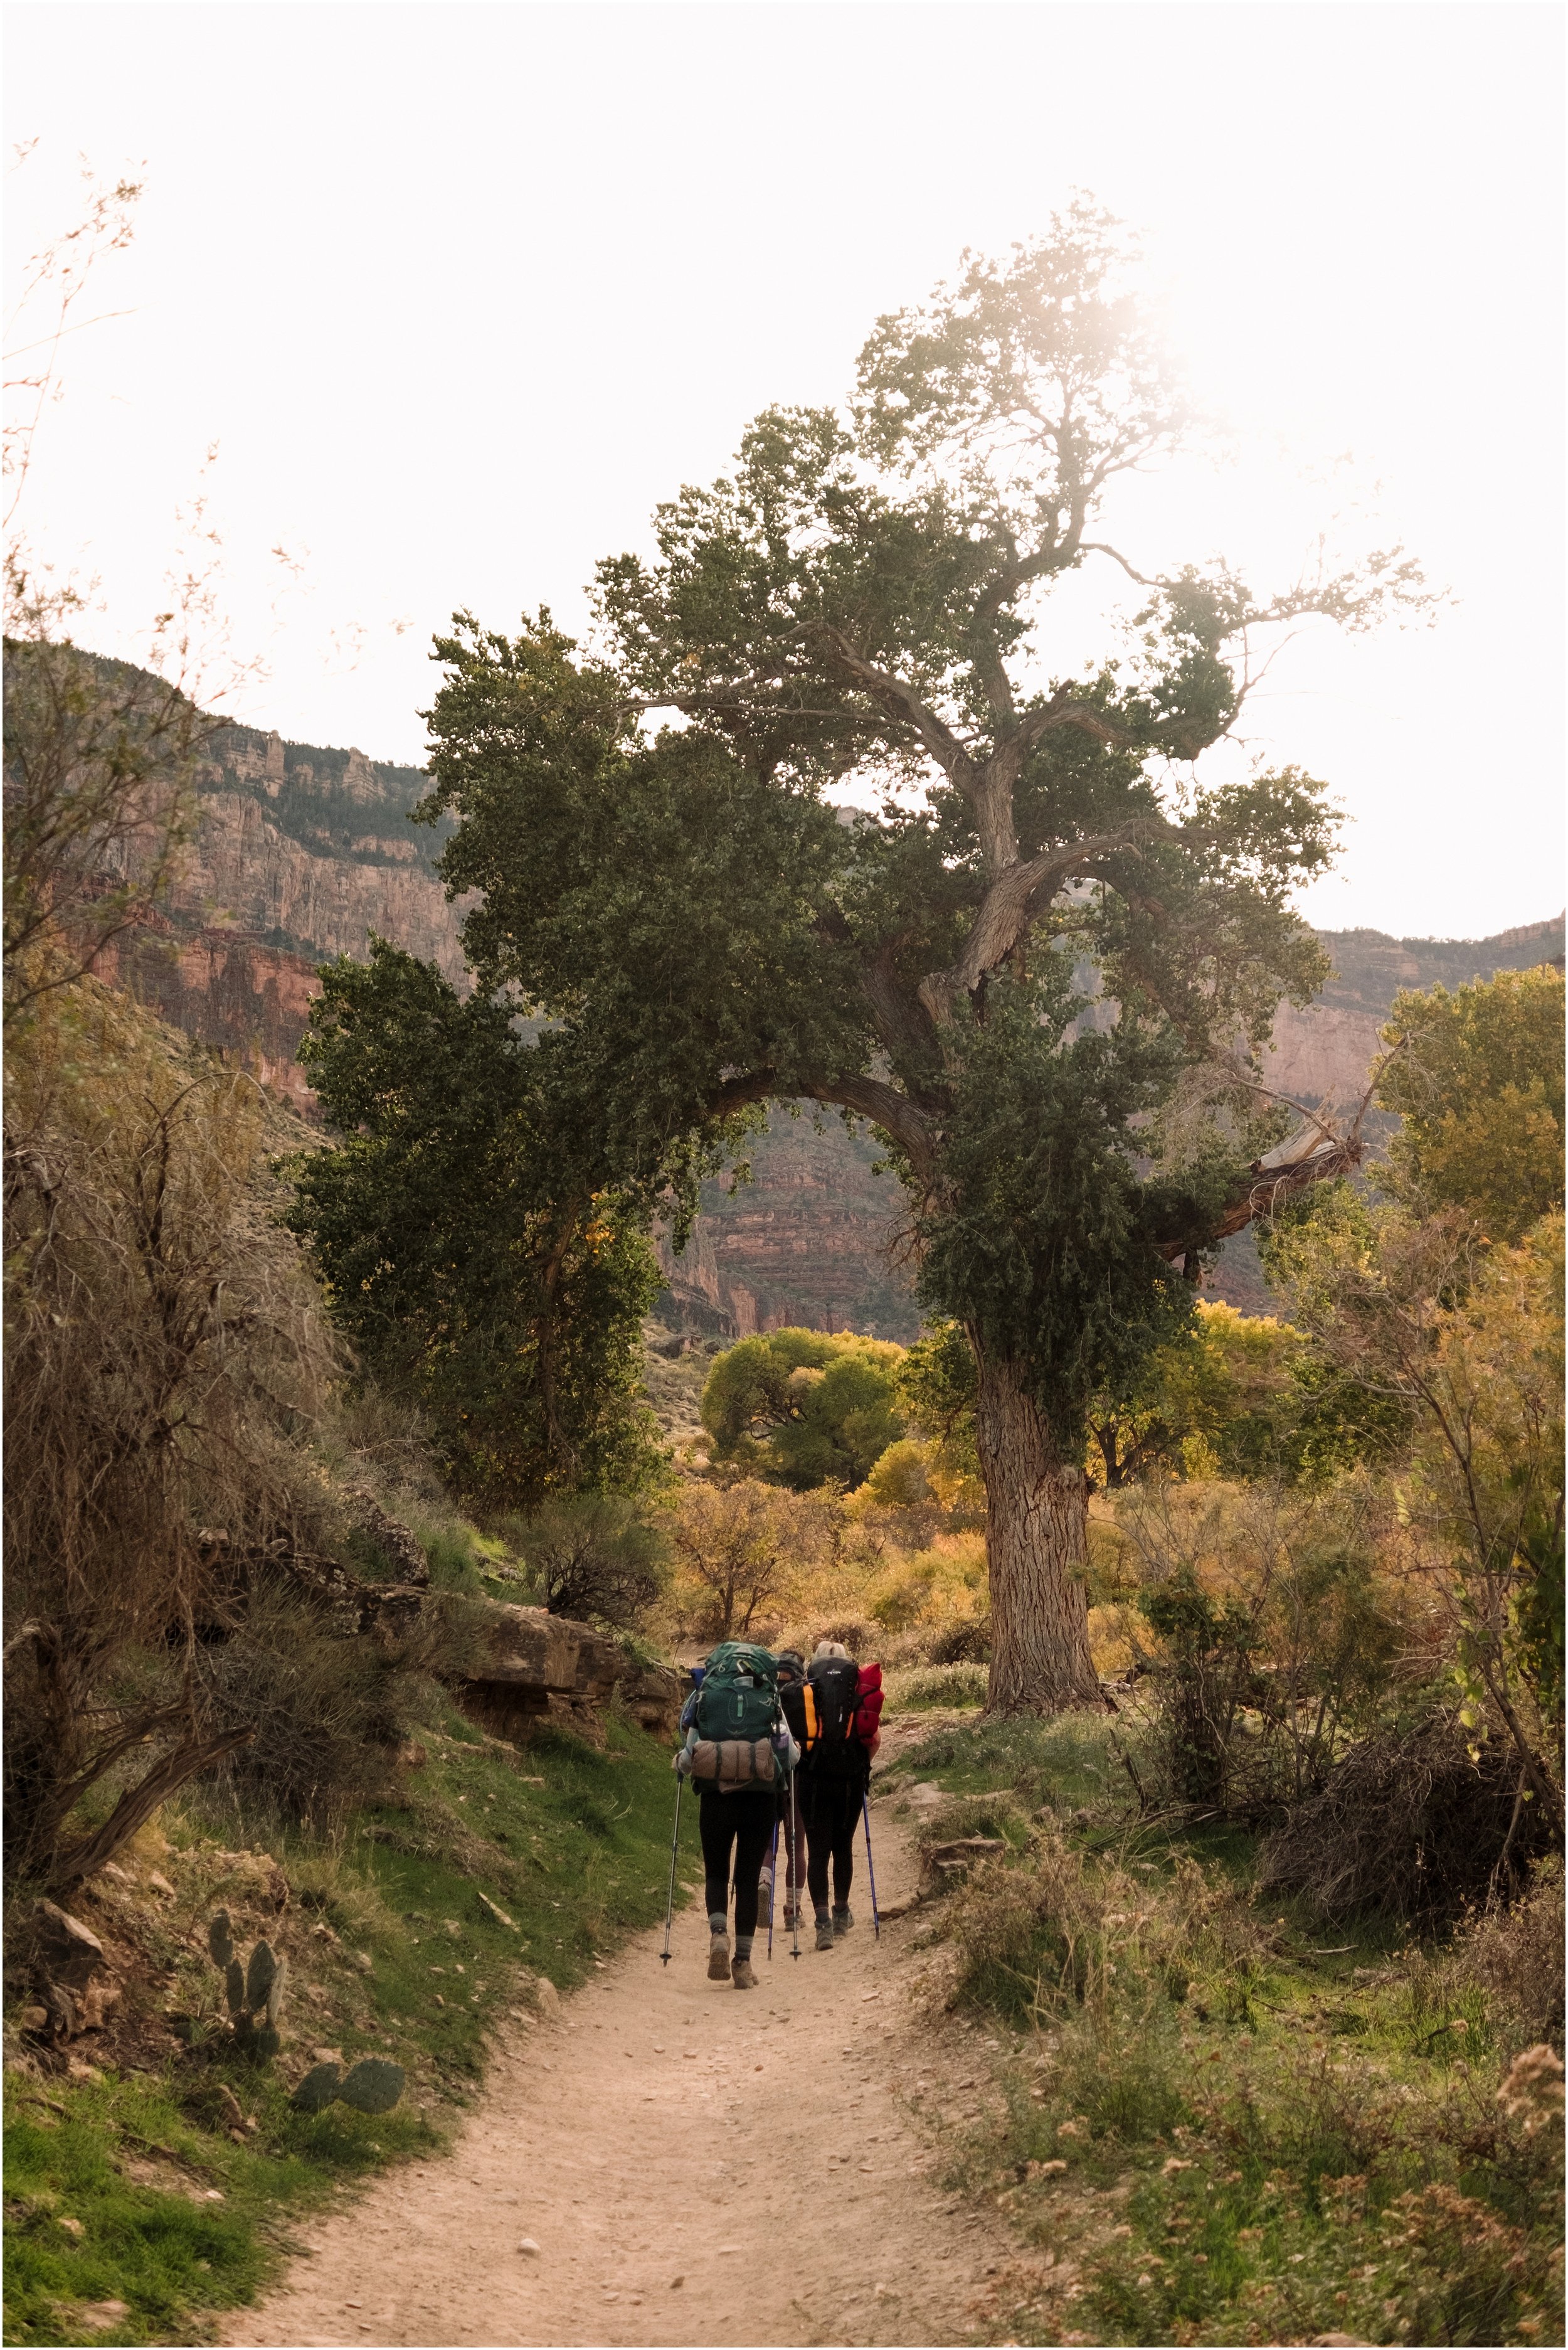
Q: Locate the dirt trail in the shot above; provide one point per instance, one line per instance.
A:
(697, 2164)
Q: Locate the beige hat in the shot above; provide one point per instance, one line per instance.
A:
(829, 1648)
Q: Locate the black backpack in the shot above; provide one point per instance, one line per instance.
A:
(830, 1746)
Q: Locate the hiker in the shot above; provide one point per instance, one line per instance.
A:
(738, 1753)
(840, 1709)
(792, 1678)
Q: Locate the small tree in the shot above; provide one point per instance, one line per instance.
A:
(471, 1259)
(738, 1545)
(1477, 1080)
(805, 1408)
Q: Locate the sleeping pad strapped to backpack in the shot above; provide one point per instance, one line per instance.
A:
(737, 1711)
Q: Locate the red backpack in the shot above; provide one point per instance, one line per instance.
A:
(868, 1707)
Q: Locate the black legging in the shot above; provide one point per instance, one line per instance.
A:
(830, 1815)
(743, 1820)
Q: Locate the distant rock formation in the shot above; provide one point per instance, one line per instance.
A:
(300, 855)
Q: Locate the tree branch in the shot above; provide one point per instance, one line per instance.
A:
(1010, 902)
(901, 700)
(1270, 1182)
(138, 1804)
(912, 1129)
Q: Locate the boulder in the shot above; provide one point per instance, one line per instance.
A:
(67, 1951)
(951, 1859)
(399, 1544)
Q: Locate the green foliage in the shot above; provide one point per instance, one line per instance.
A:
(803, 1409)
(936, 1385)
(1046, 1244)
(473, 1264)
(1220, 1399)
(1477, 1080)
(657, 900)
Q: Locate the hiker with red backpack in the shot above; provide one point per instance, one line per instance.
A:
(835, 1717)
(738, 1754)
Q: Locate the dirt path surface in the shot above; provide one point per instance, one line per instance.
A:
(697, 2164)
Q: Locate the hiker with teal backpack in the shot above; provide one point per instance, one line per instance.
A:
(738, 1754)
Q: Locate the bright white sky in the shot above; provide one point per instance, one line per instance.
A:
(459, 291)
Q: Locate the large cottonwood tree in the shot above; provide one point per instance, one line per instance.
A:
(658, 830)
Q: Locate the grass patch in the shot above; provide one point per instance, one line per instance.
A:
(1069, 1763)
(394, 1950)
(920, 1688)
(1220, 2124)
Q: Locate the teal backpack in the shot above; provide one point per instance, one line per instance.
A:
(740, 1693)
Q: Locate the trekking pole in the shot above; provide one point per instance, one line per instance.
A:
(674, 1848)
(794, 1906)
(773, 1866)
(870, 1869)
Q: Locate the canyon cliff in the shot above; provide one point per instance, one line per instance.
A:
(302, 853)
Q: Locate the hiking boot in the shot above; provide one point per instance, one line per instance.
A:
(793, 1915)
(843, 1920)
(741, 1975)
(825, 1933)
(719, 1958)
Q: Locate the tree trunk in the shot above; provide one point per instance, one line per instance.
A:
(1036, 1546)
(138, 1804)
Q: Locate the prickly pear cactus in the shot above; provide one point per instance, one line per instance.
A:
(318, 2088)
(253, 1993)
(276, 1990)
(373, 2086)
(259, 1976)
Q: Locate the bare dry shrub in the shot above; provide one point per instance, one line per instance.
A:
(164, 1345)
(1274, 1633)
(963, 1641)
(1408, 1824)
(1516, 1956)
(326, 1711)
